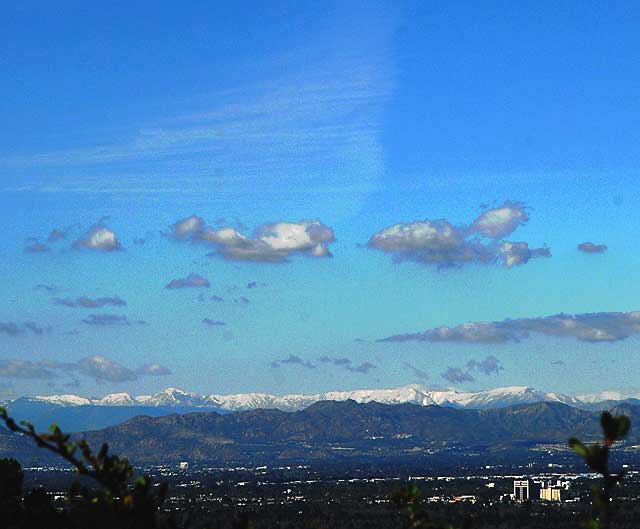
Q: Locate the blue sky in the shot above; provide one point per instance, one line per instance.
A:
(341, 120)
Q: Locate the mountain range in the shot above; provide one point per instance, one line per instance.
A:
(75, 414)
(343, 430)
(414, 394)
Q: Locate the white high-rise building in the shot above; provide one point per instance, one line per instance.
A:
(521, 490)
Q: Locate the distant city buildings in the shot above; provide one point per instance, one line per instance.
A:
(554, 492)
(551, 494)
(526, 490)
(521, 490)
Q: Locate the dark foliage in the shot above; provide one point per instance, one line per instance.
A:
(596, 456)
(111, 499)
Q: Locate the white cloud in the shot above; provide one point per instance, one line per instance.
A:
(191, 281)
(102, 368)
(186, 227)
(153, 370)
(100, 238)
(436, 236)
(517, 253)
(440, 243)
(587, 327)
(273, 242)
(499, 222)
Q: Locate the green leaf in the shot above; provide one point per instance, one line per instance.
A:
(615, 428)
(578, 447)
(593, 524)
(596, 458)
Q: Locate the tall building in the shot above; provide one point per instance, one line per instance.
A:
(521, 490)
(551, 494)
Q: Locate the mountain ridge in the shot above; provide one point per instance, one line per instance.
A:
(413, 393)
(342, 430)
(330, 429)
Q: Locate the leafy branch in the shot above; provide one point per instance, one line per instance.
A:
(132, 506)
(596, 456)
(409, 499)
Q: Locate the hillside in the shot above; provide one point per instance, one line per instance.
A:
(329, 429)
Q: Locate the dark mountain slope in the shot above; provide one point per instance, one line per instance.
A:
(82, 418)
(361, 426)
(338, 429)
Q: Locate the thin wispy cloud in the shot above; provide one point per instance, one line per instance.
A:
(100, 367)
(363, 368)
(348, 364)
(455, 375)
(46, 288)
(213, 323)
(7, 391)
(56, 235)
(191, 281)
(297, 121)
(10, 328)
(96, 367)
(589, 247)
(488, 366)
(154, 370)
(90, 303)
(588, 327)
(293, 360)
(24, 369)
(202, 298)
(105, 320)
(36, 247)
(416, 372)
(45, 245)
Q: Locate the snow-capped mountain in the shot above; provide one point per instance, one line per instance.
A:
(118, 399)
(68, 400)
(609, 395)
(170, 397)
(173, 397)
(414, 393)
(507, 396)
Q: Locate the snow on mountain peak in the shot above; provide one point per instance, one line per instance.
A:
(177, 391)
(66, 400)
(608, 395)
(412, 393)
(117, 399)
